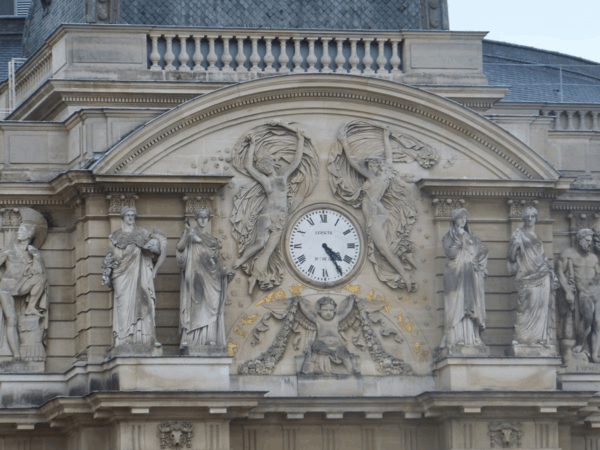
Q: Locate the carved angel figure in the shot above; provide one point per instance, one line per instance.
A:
(362, 174)
(323, 328)
(23, 274)
(128, 268)
(284, 166)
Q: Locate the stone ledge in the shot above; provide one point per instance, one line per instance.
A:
(514, 374)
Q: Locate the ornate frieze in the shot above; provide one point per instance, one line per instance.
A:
(193, 204)
(445, 206)
(11, 217)
(517, 206)
(118, 201)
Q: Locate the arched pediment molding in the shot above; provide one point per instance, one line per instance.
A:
(493, 147)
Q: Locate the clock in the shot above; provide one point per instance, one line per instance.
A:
(324, 245)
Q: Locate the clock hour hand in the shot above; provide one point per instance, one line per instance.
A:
(334, 257)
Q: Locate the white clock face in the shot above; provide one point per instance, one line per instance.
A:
(324, 246)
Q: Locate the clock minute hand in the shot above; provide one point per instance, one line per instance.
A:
(333, 257)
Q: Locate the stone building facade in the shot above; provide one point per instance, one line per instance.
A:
(162, 176)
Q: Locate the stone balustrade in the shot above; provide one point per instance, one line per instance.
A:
(574, 119)
(243, 54)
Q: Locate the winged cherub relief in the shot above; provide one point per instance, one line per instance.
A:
(361, 168)
(284, 166)
(323, 329)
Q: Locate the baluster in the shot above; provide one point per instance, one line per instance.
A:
(154, 55)
(367, 59)
(197, 58)
(269, 58)
(183, 55)
(226, 57)
(240, 58)
(381, 59)
(325, 58)
(569, 120)
(254, 57)
(283, 57)
(339, 57)
(169, 55)
(395, 59)
(211, 58)
(353, 60)
(297, 58)
(595, 120)
(311, 59)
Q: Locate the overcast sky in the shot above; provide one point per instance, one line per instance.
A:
(571, 27)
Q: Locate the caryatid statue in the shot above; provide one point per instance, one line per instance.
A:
(204, 280)
(536, 283)
(464, 291)
(128, 267)
(577, 269)
(23, 289)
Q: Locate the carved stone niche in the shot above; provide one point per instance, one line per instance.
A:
(517, 206)
(102, 11)
(505, 434)
(445, 206)
(175, 435)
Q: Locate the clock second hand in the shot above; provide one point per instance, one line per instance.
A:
(333, 256)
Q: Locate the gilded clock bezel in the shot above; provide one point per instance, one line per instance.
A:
(361, 254)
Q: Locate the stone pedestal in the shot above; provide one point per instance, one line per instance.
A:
(21, 366)
(521, 350)
(204, 350)
(177, 373)
(514, 374)
(463, 350)
(135, 350)
(580, 378)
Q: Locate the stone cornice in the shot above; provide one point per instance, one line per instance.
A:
(76, 183)
(347, 88)
(460, 187)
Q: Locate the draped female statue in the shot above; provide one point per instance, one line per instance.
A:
(204, 281)
(464, 292)
(536, 283)
(128, 267)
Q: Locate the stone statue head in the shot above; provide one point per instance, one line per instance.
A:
(266, 165)
(585, 237)
(374, 164)
(26, 232)
(459, 218)
(529, 215)
(202, 217)
(128, 214)
(326, 308)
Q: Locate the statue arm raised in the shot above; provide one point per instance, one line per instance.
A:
(387, 146)
(248, 161)
(298, 155)
(352, 160)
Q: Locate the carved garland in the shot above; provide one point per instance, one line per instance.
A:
(517, 206)
(365, 98)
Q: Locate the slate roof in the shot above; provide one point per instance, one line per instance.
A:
(329, 14)
(535, 75)
(11, 31)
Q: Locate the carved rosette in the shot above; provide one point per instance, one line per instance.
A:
(517, 206)
(505, 434)
(445, 206)
(194, 204)
(117, 201)
(175, 434)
